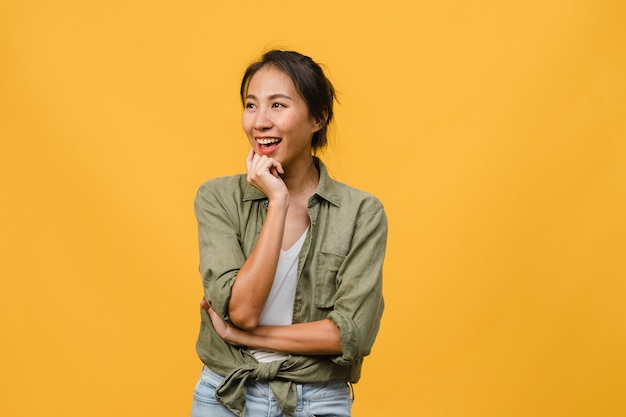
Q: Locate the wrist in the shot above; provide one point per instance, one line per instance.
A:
(235, 336)
(279, 202)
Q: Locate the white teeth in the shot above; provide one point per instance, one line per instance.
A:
(267, 141)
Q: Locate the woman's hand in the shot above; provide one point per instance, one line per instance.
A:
(223, 329)
(264, 174)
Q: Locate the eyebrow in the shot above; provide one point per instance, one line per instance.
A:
(272, 97)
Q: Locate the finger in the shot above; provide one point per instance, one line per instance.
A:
(276, 168)
(253, 161)
(261, 164)
(205, 304)
(249, 160)
(266, 163)
(279, 167)
(254, 158)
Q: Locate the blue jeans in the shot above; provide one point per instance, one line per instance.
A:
(331, 399)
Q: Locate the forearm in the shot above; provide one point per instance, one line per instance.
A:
(314, 338)
(254, 280)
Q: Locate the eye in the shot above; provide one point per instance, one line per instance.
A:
(277, 105)
(250, 105)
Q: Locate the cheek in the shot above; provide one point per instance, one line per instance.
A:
(246, 123)
(290, 123)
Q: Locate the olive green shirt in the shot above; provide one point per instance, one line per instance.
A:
(339, 277)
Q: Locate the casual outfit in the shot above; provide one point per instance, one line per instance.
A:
(339, 277)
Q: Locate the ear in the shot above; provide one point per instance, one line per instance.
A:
(319, 124)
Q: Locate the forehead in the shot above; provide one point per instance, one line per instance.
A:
(269, 80)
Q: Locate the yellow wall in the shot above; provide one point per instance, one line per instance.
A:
(494, 132)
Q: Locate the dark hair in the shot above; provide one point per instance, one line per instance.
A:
(310, 82)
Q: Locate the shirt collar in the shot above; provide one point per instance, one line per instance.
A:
(326, 187)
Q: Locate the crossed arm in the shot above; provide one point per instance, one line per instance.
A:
(314, 338)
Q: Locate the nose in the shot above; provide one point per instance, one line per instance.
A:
(262, 121)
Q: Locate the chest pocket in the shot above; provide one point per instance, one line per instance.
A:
(328, 265)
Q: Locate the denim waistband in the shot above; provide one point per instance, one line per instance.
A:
(306, 392)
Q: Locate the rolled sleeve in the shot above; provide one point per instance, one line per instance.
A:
(221, 255)
(359, 302)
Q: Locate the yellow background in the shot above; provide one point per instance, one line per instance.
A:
(494, 132)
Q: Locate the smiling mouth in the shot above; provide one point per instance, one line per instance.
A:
(268, 142)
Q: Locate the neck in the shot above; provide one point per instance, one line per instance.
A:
(302, 179)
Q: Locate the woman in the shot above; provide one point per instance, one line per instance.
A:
(291, 260)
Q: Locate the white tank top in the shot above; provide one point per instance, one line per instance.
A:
(278, 308)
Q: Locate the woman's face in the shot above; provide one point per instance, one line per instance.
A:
(276, 119)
